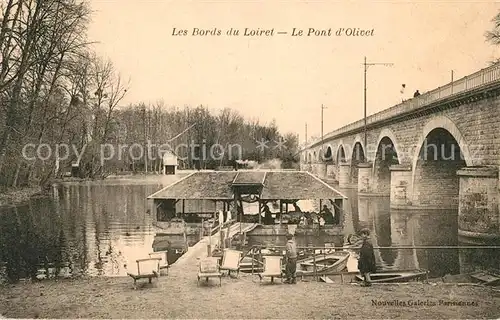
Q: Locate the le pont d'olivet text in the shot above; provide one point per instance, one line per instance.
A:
(271, 32)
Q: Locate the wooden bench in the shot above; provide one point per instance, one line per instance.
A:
(231, 261)
(209, 268)
(273, 266)
(147, 268)
(164, 261)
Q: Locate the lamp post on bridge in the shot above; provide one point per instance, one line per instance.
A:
(366, 65)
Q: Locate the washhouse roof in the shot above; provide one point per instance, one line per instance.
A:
(275, 185)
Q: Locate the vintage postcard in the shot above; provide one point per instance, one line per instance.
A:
(249, 159)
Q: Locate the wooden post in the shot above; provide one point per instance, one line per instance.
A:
(242, 212)
(209, 246)
(260, 212)
(202, 228)
(253, 257)
(186, 246)
(236, 206)
(286, 208)
(314, 263)
(281, 211)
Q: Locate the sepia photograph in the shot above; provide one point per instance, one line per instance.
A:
(278, 159)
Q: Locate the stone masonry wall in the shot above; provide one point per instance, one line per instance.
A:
(478, 123)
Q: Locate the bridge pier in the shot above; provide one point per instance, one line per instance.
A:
(478, 209)
(319, 169)
(365, 177)
(330, 171)
(401, 188)
(322, 170)
(344, 175)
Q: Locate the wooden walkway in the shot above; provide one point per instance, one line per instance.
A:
(188, 262)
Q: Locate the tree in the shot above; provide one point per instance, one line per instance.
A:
(493, 36)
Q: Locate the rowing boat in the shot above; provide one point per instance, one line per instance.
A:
(246, 265)
(395, 276)
(331, 262)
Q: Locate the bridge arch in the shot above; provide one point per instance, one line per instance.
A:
(440, 151)
(340, 153)
(358, 140)
(357, 155)
(388, 133)
(387, 153)
(328, 155)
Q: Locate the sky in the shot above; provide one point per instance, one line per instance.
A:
(287, 77)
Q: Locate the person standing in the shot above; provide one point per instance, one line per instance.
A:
(291, 259)
(366, 262)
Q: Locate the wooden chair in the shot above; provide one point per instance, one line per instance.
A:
(273, 266)
(147, 268)
(209, 268)
(231, 261)
(164, 260)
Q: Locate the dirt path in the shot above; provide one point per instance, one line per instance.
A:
(178, 296)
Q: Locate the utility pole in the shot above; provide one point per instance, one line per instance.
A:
(306, 133)
(366, 65)
(322, 108)
(451, 81)
(145, 154)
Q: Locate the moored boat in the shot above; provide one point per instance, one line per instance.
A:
(396, 276)
(330, 262)
(246, 265)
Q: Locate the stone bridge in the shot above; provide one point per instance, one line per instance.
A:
(438, 150)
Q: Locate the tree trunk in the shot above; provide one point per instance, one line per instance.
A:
(16, 174)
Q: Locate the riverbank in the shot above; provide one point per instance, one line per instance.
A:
(19, 195)
(12, 196)
(178, 296)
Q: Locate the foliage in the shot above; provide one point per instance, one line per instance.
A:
(54, 90)
(225, 136)
(493, 35)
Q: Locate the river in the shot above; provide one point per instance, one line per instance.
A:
(98, 228)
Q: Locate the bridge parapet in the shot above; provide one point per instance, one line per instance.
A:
(468, 83)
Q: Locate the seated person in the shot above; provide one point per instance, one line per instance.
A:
(327, 215)
(303, 221)
(296, 207)
(309, 218)
(268, 216)
(321, 221)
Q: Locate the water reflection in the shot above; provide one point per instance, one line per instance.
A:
(100, 228)
(478, 259)
(382, 232)
(402, 234)
(92, 229)
(408, 228)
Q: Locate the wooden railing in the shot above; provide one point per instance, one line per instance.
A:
(480, 78)
(325, 250)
